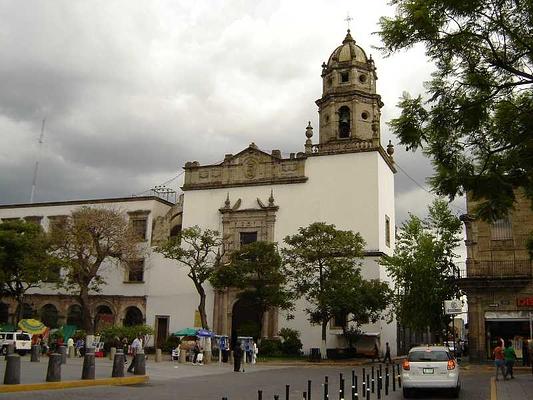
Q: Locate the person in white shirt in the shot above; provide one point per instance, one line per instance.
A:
(136, 346)
(70, 346)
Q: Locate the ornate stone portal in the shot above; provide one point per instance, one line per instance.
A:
(237, 224)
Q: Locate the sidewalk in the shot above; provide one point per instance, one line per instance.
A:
(520, 388)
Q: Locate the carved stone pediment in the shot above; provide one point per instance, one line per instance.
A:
(249, 167)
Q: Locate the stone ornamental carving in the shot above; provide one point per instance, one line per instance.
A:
(249, 167)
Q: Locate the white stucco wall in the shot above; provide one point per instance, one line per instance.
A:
(352, 191)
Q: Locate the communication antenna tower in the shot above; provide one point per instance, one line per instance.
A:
(36, 169)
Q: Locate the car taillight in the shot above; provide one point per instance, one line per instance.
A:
(405, 365)
(451, 364)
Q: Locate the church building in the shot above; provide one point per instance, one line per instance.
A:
(342, 176)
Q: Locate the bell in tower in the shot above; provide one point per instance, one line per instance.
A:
(349, 109)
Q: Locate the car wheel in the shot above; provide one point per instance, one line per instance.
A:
(407, 393)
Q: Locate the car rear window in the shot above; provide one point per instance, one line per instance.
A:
(23, 336)
(428, 355)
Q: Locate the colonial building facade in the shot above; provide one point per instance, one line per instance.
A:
(499, 278)
(346, 178)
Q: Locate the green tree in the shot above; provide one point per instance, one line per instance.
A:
(84, 242)
(24, 261)
(256, 270)
(423, 268)
(198, 252)
(477, 125)
(315, 258)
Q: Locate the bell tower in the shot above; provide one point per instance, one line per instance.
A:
(349, 109)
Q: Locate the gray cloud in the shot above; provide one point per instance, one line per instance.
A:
(133, 90)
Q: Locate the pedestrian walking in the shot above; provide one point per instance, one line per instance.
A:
(254, 353)
(237, 357)
(499, 361)
(125, 348)
(70, 345)
(136, 347)
(387, 354)
(375, 353)
(509, 356)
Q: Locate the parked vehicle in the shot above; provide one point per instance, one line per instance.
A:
(430, 367)
(21, 340)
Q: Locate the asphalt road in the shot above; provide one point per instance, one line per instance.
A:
(195, 383)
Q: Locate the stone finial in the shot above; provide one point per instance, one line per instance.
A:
(348, 38)
(271, 198)
(227, 203)
(390, 149)
(276, 153)
(253, 146)
(309, 135)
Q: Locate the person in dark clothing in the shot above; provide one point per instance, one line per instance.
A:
(375, 353)
(387, 354)
(237, 357)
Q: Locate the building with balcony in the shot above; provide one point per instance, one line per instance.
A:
(499, 278)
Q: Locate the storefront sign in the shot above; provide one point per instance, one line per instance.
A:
(453, 307)
(524, 302)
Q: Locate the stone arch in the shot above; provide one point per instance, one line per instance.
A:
(245, 320)
(27, 311)
(133, 316)
(4, 313)
(75, 315)
(49, 315)
(344, 122)
(103, 316)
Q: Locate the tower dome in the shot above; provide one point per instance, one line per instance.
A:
(347, 52)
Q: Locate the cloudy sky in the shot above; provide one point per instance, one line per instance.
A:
(131, 90)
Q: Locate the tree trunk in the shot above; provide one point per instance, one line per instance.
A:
(201, 306)
(87, 321)
(323, 342)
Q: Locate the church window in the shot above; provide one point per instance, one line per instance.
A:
(345, 76)
(362, 78)
(248, 237)
(501, 229)
(139, 227)
(135, 271)
(387, 230)
(344, 122)
(364, 115)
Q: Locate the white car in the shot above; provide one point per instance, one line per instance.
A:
(430, 367)
(21, 340)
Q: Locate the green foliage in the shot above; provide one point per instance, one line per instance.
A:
(170, 344)
(317, 259)
(109, 334)
(198, 251)
(255, 269)
(270, 348)
(291, 344)
(423, 268)
(24, 259)
(477, 126)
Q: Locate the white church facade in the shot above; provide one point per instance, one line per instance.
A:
(346, 178)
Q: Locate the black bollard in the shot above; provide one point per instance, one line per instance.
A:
(308, 390)
(326, 394)
(276, 397)
(380, 373)
(367, 386)
(393, 379)
(140, 364)
(353, 384)
(35, 353)
(386, 381)
(287, 391)
(12, 373)
(305, 395)
(363, 386)
(372, 376)
(379, 389)
(53, 373)
(63, 352)
(118, 366)
(88, 369)
(355, 387)
(341, 387)
(224, 398)
(259, 395)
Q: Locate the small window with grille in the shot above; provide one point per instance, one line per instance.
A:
(501, 229)
(135, 271)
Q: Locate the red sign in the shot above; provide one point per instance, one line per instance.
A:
(524, 302)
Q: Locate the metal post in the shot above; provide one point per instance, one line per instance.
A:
(287, 391)
(308, 390)
(393, 379)
(305, 395)
(363, 388)
(372, 379)
(326, 394)
(259, 395)
(386, 381)
(276, 397)
(341, 387)
(354, 390)
(368, 386)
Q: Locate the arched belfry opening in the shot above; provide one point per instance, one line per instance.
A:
(344, 122)
(245, 320)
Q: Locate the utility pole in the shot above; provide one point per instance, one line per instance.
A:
(36, 169)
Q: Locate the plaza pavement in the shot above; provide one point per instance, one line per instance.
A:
(171, 380)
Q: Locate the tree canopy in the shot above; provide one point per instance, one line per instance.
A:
(198, 251)
(83, 241)
(24, 259)
(423, 268)
(256, 270)
(477, 124)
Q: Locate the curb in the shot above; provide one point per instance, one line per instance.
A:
(493, 391)
(26, 387)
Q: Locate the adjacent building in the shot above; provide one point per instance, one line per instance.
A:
(499, 278)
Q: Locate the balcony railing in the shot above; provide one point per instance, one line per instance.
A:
(498, 269)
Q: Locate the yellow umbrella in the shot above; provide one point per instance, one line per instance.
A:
(32, 326)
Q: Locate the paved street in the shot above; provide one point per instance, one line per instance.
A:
(170, 381)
